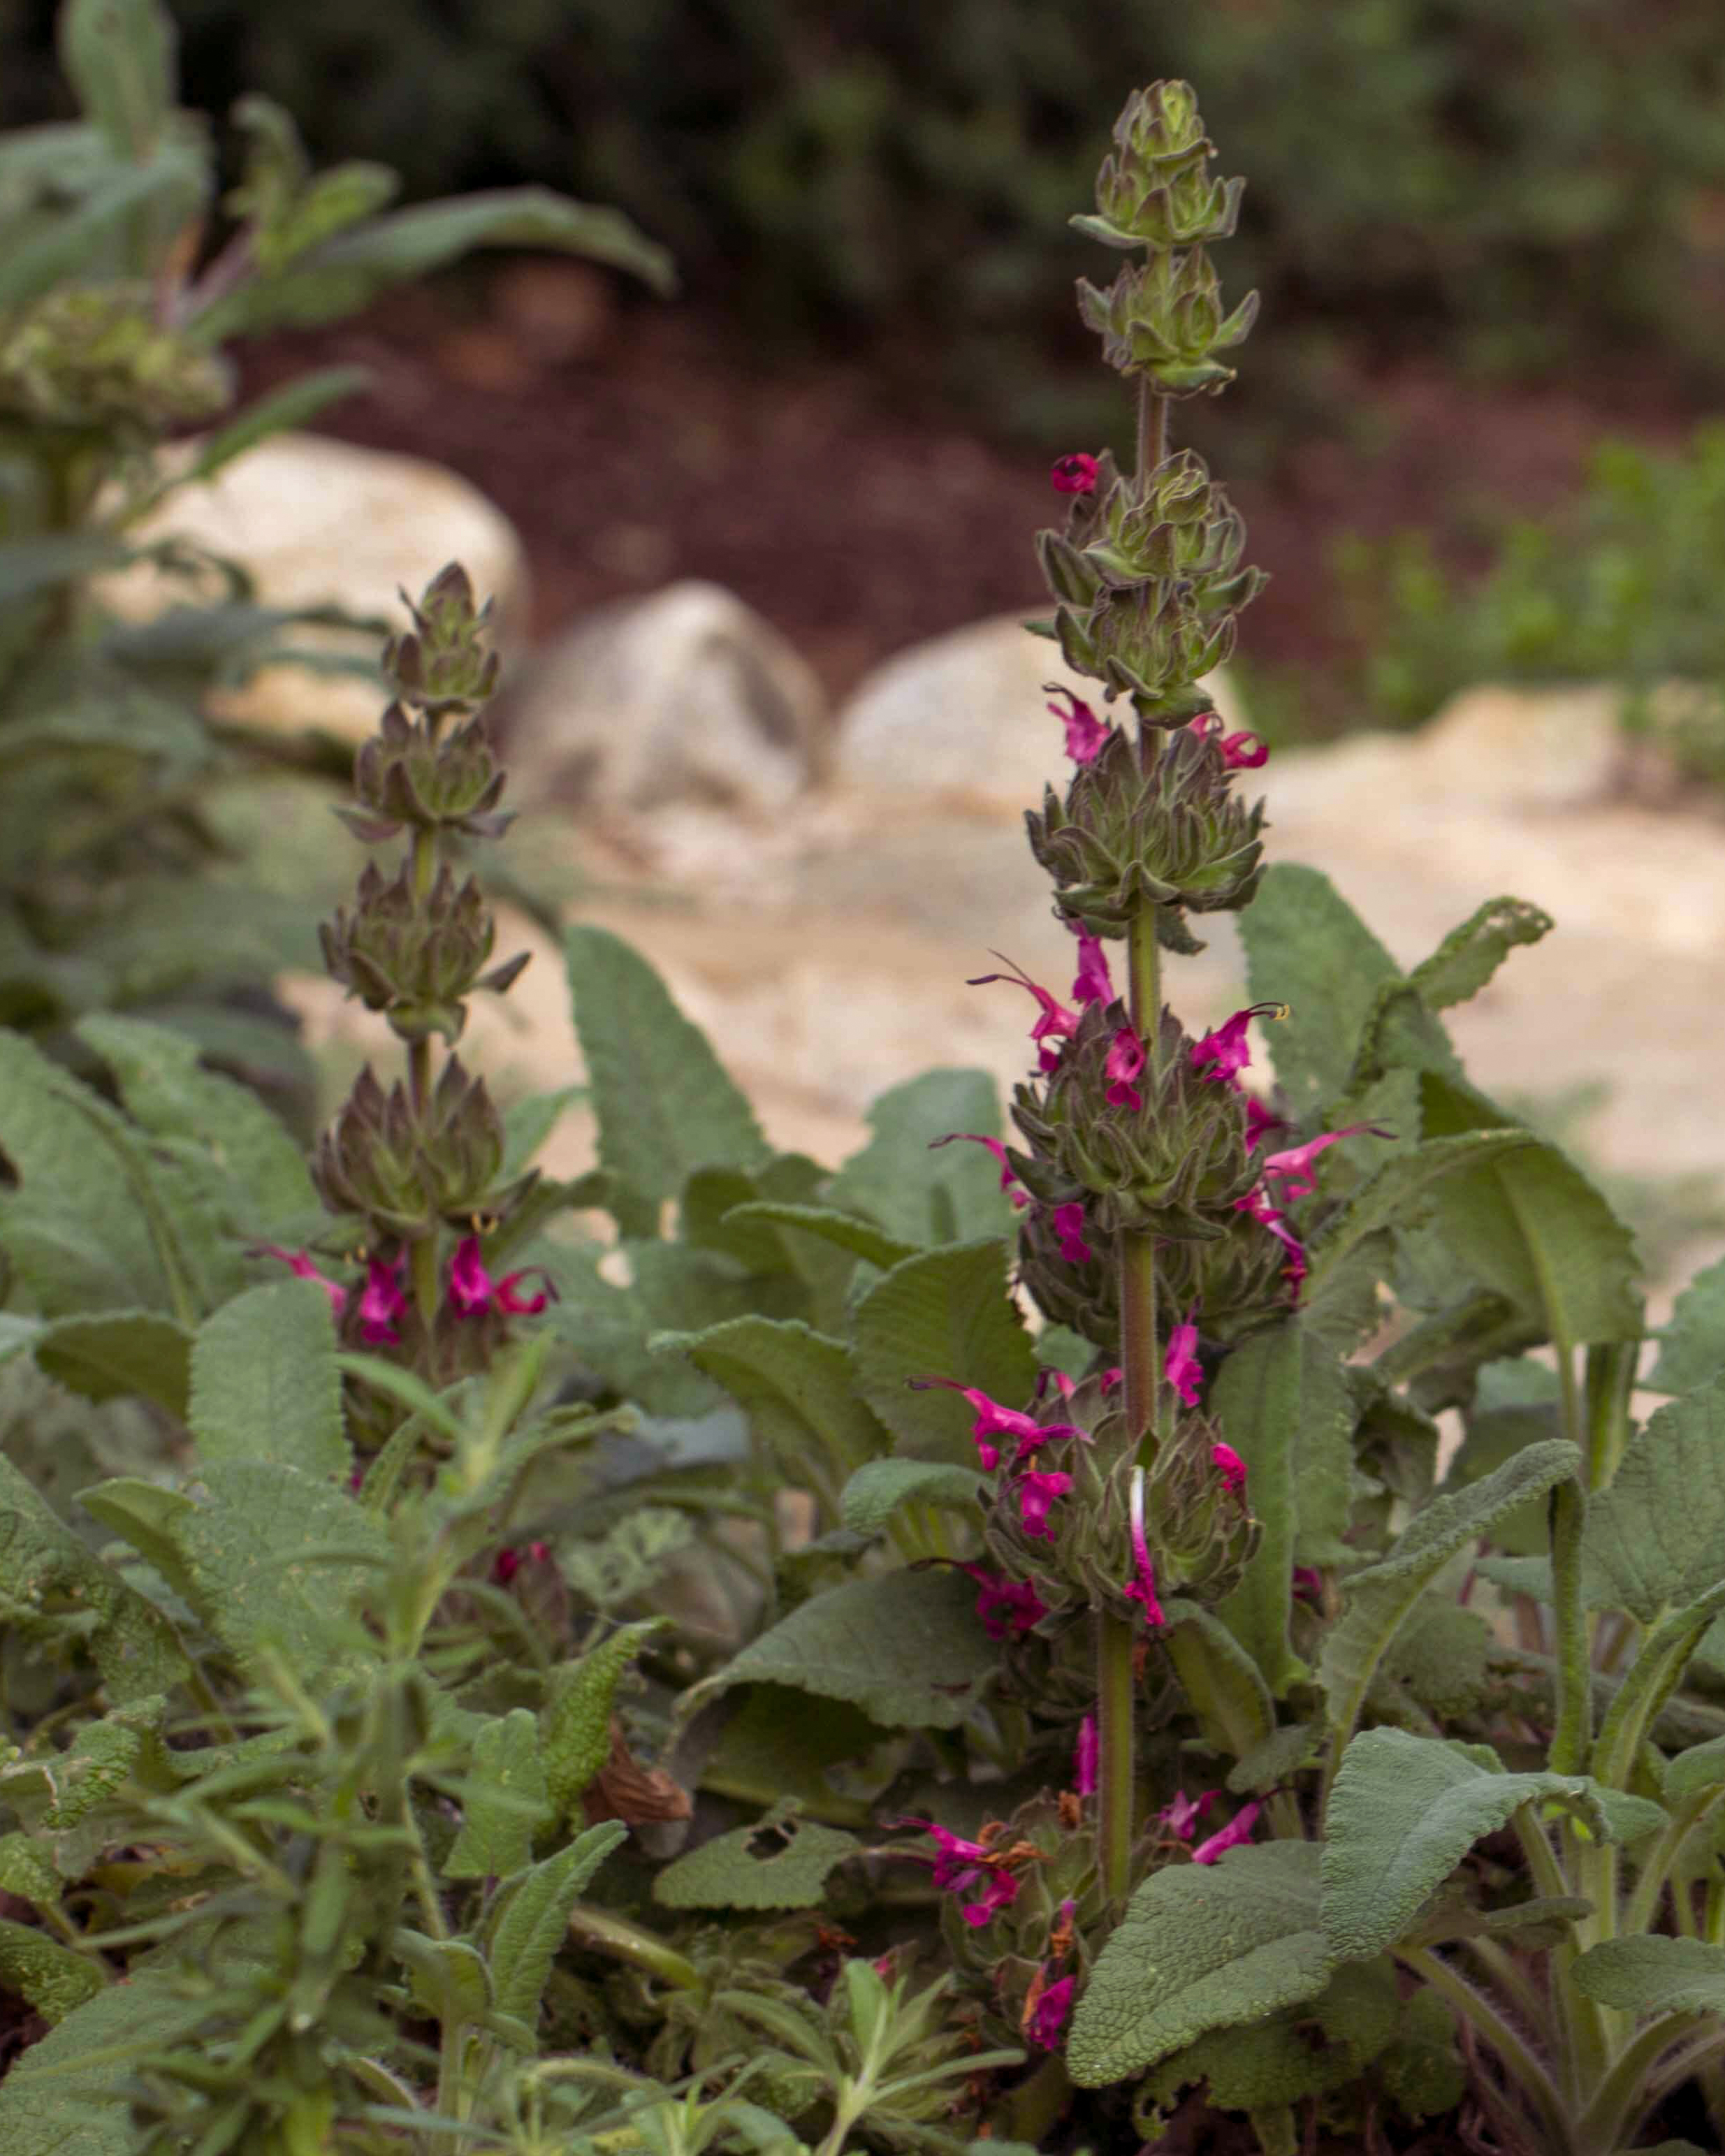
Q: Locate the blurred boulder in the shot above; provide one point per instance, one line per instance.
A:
(319, 522)
(966, 716)
(685, 696)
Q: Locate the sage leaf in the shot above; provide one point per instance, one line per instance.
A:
(264, 1384)
(945, 1313)
(1654, 1973)
(528, 1926)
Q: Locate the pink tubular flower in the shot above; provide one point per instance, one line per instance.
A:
(1308, 1584)
(1056, 1023)
(381, 1304)
(1008, 1181)
(1142, 1587)
(1180, 1364)
(1259, 1122)
(1047, 2017)
(1223, 1054)
(1262, 1208)
(507, 1562)
(299, 1262)
(1181, 1816)
(1093, 984)
(1086, 734)
(961, 1865)
(472, 1288)
(1110, 1378)
(1126, 1059)
(1294, 1167)
(1005, 1604)
(1238, 1830)
(1231, 1467)
(1240, 751)
(993, 1420)
(1085, 1758)
(1036, 1490)
(1068, 1224)
(1074, 474)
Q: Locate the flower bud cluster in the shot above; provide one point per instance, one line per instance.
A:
(95, 358)
(412, 1165)
(416, 958)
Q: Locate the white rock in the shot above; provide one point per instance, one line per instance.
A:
(966, 715)
(319, 522)
(686, 696)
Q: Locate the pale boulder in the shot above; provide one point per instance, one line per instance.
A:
(685, 696)
(319, 522)
(965, 717)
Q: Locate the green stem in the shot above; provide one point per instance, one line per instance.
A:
(1153, 429)
(1518, 2059)
(1034, 2109)
(1115, 1788)
(614, 1935)
(1629, 2090)
(1610, 1373)
(1661, 1860)
(1573, 1738)
(1508, 1977)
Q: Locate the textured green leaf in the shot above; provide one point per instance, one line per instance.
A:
(1276, 1760)
(920, 1191)
(1421, 2072)
(59, 2097)
(1379, 1600)
(162, 192)
(1234, 1709)
(1469, 955)
(120, 1354)
(1201, 1947)
(277, 1558)
(779, 1743)
(664, 1104)
(1654, 1973)
(52, 1977)
(1404, 1812)
(1532, 1227)
(528, 1927)
(265, 1385)
(505, 1803)
(610, 1327)
(907, 1648)
(25, 1872)
(1691, 1351)
(119, 57)
(575, 1722)
(448, 1978)
(880, 1487)
(846, 1231)
(44, 1567)
(343, 275)
(1305, 946)
(1701, 1767)
(799, 1391)
(1405, 1186)
(1283, 1403)
(780, 1863)
(1653, 1676)
(174, 1098)
(944, 1313)
(142, 1514)
(1655, 1538)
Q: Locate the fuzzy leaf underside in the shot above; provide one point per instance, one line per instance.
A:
(265, 1385)
(944, 1313)
(906, 1647)
(1201, 1947)
(1379, 1598)
(666, 1105)
(1404, 1812)
(1655, 1538)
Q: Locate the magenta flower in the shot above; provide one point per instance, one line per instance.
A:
(1005, 1604)
(1093, 984)
(1008, 1181)
(299, 1262)
(1181, 1816)
(1110, 1378)
(1261, 1208)
(1142, 1587)
(1086, 1757)
(1064, 1385)
(1294, 1167)
(1068, 1224)
(1075, 474)
(1048, 2016)
(1308, 1583)
(1232, 1467)
(993, 1420)
(472, 1289)
(1056, 1024)
(507, 1562)
(1126, 1059)
(1238, 1830)
(1224, 1051)
(1036, 1490)
(1259, 1122)
(961, 1865)
(1086, 734)
(381, 1304)
(1180, 1364)
(1240, 751)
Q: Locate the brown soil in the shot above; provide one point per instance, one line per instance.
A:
(631, 443)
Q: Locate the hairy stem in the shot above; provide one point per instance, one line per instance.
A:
(1116, 1789)
(1517, 2056)
(1573, 1738)
(1152, 428)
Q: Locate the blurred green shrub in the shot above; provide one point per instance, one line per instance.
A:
(1522, 183)
(1625, 588)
